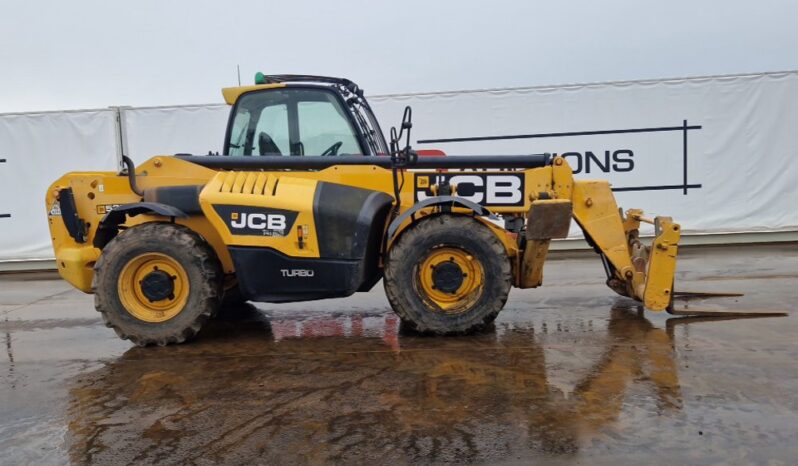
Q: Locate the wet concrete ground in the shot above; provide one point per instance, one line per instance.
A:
(571, 373)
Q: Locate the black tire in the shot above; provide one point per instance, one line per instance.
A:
(183, 246)
(452, 231)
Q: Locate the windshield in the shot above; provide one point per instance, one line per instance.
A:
(292, 121)
(369, 126)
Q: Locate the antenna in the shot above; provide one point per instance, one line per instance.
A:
(238, 70)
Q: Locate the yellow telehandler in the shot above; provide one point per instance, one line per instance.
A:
(309, 201)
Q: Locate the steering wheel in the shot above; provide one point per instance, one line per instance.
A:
(333, 149)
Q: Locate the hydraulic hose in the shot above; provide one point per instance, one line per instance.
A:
(131, 175)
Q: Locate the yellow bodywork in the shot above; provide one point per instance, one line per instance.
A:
(261, 189)
(551, 189)
(231, 94)
(96, 193)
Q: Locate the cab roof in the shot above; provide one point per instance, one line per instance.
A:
(262, 81)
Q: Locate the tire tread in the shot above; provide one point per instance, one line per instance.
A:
(399, 292)
(203, 257)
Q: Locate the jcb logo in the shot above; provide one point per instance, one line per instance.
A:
(258, 221)
(485, 189)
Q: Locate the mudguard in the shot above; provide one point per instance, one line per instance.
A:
(109, 225)
(452, 201)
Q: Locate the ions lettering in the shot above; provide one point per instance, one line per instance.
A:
(613, 161)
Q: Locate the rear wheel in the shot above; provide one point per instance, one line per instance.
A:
(157, 283)
(448, 274)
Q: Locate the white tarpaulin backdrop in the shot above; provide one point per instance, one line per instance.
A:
(718, 154)
(38, 148)
(741, 141)
(194, 129)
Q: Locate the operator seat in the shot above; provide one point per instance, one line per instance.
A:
(266, 145)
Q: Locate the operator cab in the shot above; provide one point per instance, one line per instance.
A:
(291, 115)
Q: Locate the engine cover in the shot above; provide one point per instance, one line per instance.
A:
(297, 239)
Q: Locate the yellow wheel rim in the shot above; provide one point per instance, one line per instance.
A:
(139, 303)
(458, 296)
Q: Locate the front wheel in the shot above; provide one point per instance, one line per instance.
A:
(157, 283)
(448, 274)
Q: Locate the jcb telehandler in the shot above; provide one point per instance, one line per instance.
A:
(310, 202)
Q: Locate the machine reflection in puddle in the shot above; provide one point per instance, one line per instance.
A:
(358, 386)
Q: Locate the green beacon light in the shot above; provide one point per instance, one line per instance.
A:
(260, 78)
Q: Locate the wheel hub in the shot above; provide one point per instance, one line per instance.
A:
(157, 286)
(447, 277)
(153, 287)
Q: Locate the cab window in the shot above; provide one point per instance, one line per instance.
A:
(288, 121)
(238, 133)
(273, 121)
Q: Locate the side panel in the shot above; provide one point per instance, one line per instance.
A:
(269, 276)
(335, 210)
(351, 225)
(297, 239)
(262, 210)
